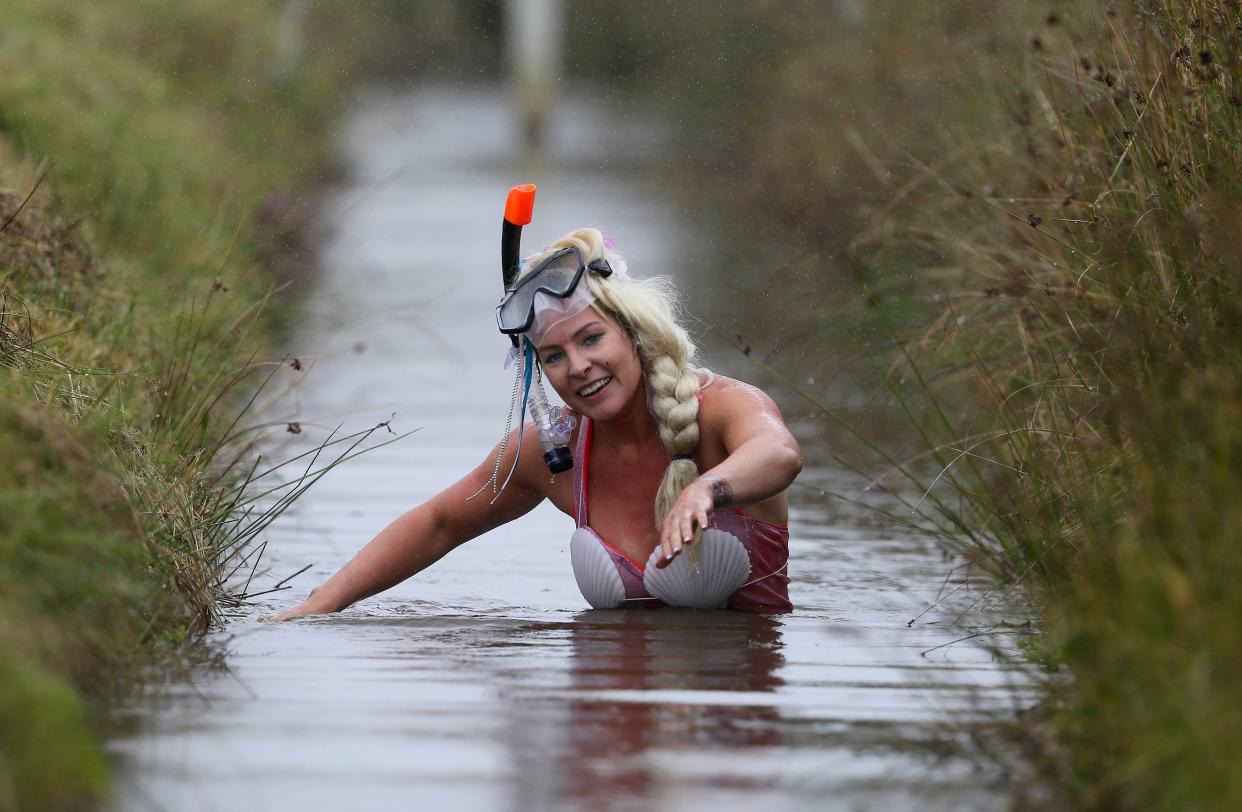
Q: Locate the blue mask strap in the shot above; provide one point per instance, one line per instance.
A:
(528, 369)
(528, 361)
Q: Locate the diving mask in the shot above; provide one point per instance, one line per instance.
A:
(556, 277)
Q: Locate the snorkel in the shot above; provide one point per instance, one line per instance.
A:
(555, 427)
(519, 207)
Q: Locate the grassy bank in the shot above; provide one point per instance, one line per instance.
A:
(1087, 267)
(152, 159)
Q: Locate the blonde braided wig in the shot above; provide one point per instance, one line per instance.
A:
(647, 309)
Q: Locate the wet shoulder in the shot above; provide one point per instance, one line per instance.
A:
(723, 399)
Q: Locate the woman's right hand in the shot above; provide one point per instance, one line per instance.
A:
(290, 614)
(311, 606)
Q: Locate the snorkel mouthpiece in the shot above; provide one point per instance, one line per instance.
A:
(559, 459)
(555, 428)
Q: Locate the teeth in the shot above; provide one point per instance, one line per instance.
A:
(587, 391)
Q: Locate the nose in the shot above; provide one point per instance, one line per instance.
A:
(579, 365)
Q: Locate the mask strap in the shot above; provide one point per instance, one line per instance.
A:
(528, 368)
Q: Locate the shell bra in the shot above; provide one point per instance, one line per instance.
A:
(766, 543)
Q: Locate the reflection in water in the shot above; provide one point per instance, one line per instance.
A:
(627, 671)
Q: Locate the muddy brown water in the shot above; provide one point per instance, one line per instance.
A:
(485, 683)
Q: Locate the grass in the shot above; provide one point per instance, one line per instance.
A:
(1083, 381)
(144, 149)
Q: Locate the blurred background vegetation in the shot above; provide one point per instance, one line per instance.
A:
(1028, 213)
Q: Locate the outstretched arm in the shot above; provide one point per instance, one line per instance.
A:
(763, 460)
(423, 535)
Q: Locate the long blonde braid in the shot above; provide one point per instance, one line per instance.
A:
(673, 396)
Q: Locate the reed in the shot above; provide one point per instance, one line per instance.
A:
(1081, 383)
(141, 148)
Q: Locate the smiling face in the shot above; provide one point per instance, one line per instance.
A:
(592, 364)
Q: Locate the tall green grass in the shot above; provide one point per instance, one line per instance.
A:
(141, 147)
(1083, 383)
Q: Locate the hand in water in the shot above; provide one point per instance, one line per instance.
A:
(288, 614)
(310, 606)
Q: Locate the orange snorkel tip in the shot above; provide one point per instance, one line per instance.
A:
(520, 206)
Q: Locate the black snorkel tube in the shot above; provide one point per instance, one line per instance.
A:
(554, 426)
(519, 207)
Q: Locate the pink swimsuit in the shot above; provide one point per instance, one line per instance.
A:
(767, 589)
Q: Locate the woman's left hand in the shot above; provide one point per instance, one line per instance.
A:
(688, 513)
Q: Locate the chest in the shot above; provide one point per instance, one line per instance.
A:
(620, 490)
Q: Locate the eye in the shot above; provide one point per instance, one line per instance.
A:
(593, 338)
(553, 357)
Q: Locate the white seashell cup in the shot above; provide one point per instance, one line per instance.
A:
(597, 576)
(723, 567)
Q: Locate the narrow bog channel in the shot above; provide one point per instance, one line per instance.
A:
(484, 683)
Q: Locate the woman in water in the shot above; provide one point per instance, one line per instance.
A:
(707, 456)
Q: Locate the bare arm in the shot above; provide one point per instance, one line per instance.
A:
(763, 460)
(423, 535)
